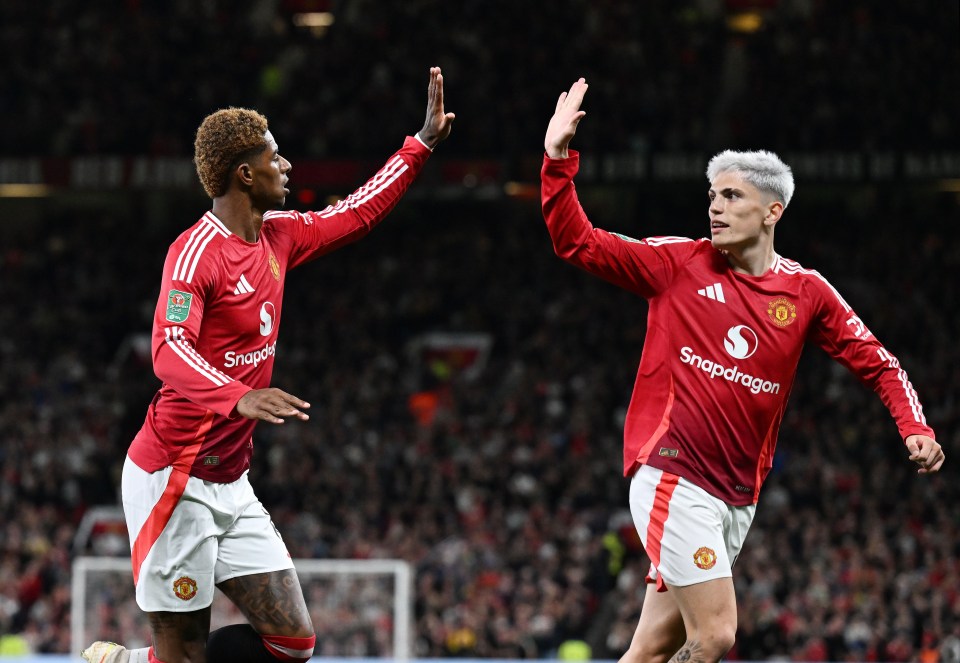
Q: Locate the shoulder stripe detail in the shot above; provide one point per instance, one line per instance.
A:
(387, 175)
(293, 215)
(912, 397)
(212, 218)
(785, 266)
(275, 213)
(190, 256)
(843, 302)
(196, 256)
(187, 249)
(658, 241)
(174, 338)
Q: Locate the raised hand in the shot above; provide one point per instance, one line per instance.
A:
(438, 124)
(563, 124)
(270, 405)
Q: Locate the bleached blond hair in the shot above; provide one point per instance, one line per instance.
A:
(763, 169)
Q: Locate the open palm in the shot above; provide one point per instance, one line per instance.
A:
(563, 124)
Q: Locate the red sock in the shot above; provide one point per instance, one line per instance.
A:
(290, 649)
(240, 643)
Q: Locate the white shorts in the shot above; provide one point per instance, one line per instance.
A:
(187, 535)
(690, 536)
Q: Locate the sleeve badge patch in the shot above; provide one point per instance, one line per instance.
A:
(178, 306)
(625, 238)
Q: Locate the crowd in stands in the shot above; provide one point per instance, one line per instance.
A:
(505, 490)
(663, 75)
(507, 496)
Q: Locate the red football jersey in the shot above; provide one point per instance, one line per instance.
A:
(217, 320)
(721, 349)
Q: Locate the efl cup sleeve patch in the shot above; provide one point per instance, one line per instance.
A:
(178, 305)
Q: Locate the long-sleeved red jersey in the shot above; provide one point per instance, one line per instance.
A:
(217, 319)
(721, 349)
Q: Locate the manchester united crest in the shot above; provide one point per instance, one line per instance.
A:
(274, 267)
(705, 558)
(782, 311)
(185, 588)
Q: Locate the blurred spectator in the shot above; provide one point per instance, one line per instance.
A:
(509, 501)
(677, 75)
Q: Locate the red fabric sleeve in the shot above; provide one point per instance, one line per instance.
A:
(645, 267)
(176, 326)
(312, 234)
(844, 336)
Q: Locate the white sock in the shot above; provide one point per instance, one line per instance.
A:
(140, 655)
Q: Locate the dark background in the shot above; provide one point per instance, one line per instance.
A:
(510, 501)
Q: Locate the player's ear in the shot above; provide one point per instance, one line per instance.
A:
(244, 173)
(774, 212)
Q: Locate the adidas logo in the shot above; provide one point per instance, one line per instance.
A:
(243, 286)
(714, 291)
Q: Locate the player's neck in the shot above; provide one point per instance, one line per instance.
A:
(754, 260)
(239, 216)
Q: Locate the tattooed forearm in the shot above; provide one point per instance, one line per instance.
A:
(691, 652)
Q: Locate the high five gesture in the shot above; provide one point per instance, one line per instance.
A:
(438, 124)
(563, 124)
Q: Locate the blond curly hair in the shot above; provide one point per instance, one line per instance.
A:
(225, 139)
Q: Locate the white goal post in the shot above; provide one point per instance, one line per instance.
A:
(360, 607)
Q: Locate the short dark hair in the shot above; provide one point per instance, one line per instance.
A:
(225, 139)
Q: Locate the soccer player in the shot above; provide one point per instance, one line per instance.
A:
(727, 321)
(193, 518)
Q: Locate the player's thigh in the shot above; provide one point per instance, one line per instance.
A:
(180, 636)
(709, 611)
(272, 602)
(660, 631)
(255, 571)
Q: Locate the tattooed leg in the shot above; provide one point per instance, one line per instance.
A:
(180, 636)
(272, 602)
(690, 652)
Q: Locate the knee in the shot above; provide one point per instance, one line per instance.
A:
(715, 642)
(724, 639)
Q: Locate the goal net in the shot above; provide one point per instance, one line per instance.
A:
(360, 608)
